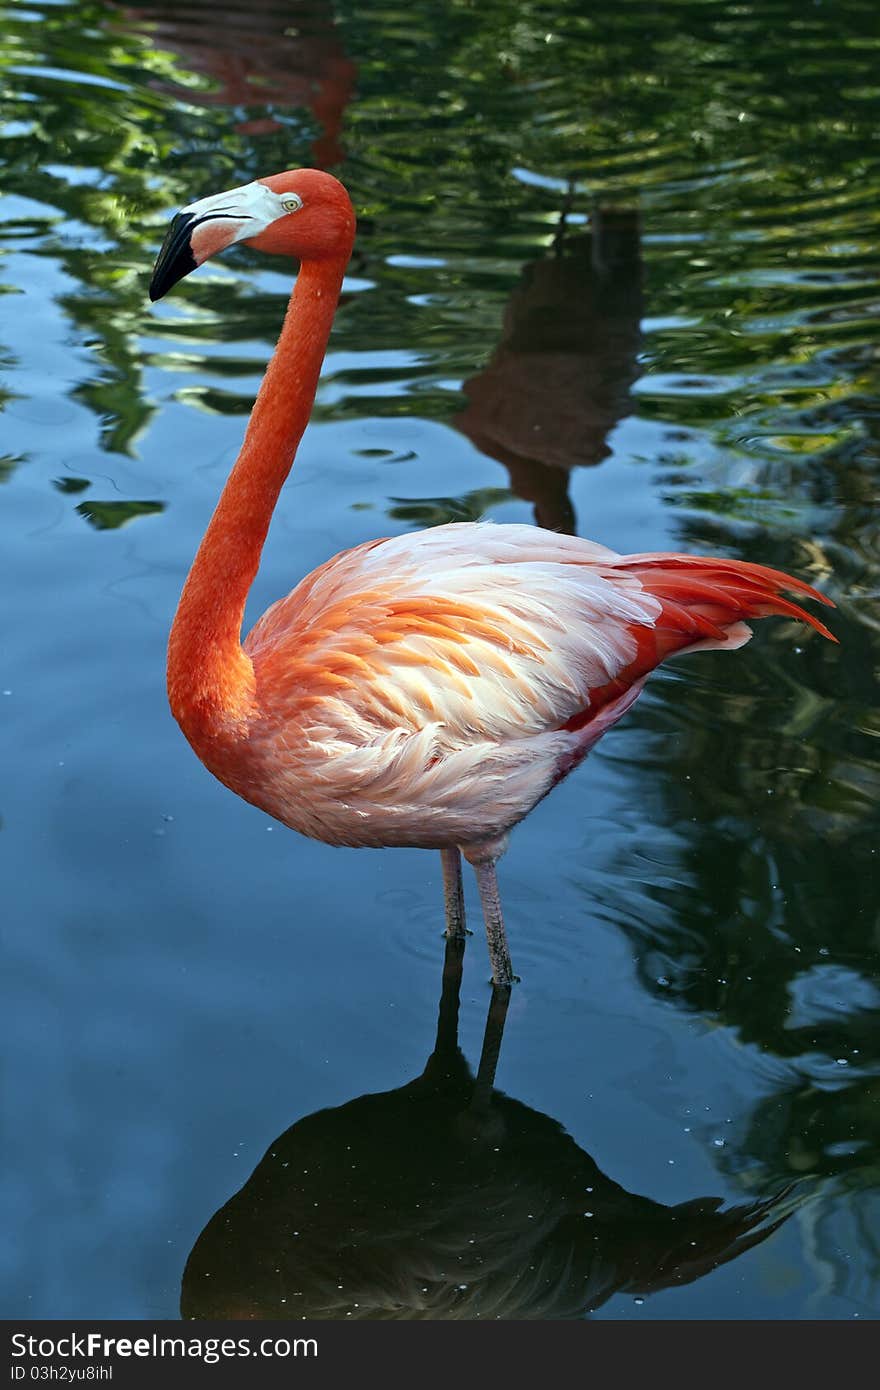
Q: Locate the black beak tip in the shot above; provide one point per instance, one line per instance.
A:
(175, 259)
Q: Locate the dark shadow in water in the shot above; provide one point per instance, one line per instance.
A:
(448, 1199)
(269, 53)
(559, 380)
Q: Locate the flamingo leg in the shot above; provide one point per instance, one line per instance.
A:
(496, 937)
(453, 893)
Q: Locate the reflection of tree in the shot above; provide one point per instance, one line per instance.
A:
(109, 516)
(830, 1132)
(104, 145)
(274, 56)
(603, 96)
(8, 464)
(119, 153)
(449, 100)
(447, 1199)
(745, 191)
(437, 511)
(833, 1132)
(764, 916)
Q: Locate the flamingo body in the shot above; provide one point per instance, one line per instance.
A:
(430, 689)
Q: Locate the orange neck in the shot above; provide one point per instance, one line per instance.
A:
(211, 683)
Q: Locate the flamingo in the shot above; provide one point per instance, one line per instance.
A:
(429, 689)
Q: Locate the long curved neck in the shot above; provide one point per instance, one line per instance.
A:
(211, 685)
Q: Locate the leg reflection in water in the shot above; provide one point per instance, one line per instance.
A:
(447, 1199)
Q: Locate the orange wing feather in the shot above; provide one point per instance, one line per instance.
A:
(701, 599)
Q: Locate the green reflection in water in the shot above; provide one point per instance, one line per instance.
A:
(109, 516)
(436, 511)
(71, 485)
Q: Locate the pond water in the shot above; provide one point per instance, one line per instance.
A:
(616, 272)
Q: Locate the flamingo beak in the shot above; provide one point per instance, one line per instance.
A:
(175, 259)
(203, 228)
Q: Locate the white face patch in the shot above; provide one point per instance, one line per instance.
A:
(243, 212)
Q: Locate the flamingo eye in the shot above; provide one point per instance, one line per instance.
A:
(291, 202)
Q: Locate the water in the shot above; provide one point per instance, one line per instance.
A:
(617, 272)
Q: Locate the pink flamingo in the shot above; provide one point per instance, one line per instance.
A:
(430, 689)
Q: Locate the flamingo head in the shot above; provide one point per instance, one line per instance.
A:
(303, 213)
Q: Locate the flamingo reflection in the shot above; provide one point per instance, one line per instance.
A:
(447, 1199)
(559, 379)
